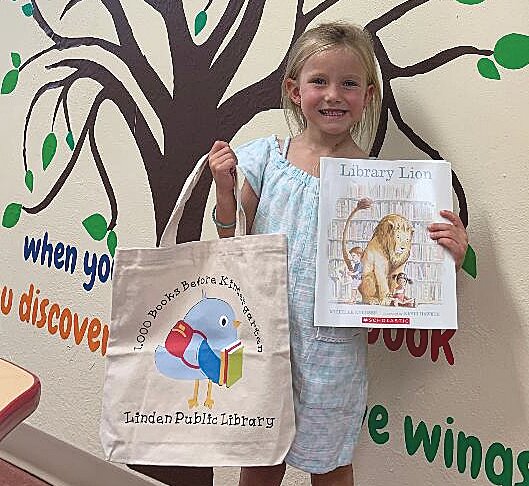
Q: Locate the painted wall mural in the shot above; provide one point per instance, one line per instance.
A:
(68, 61)
(208, 72)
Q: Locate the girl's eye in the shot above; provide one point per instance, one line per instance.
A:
(350, 84)
(318, 81)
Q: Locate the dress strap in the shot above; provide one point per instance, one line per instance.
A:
(285, 147)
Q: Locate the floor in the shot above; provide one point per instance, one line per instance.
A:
(13, 476)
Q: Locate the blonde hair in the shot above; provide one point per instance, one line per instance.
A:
(331, 36)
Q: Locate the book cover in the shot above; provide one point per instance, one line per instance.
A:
(377, 265)
(231, 359)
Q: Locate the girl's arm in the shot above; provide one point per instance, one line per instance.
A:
(223, 162)
(249, 202)
(453, 236)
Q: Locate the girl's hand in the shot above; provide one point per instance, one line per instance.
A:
(453, 236)
(222, 162)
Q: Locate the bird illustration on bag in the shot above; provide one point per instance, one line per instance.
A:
(203, 345)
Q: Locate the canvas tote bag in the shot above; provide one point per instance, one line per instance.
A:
(198, 364)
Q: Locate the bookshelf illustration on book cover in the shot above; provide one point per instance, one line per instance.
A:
(377, 265)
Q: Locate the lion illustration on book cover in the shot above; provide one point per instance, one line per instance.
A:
(384, 256)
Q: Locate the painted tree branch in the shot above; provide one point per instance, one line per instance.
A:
(318, 10)
(150, 152)
(67, 7)
(440, 59)
(104, 178)
(181, 45)
(119, 95)
(127, 106)
(70, 43)
(123, 29)
(382, 124)
(43, 89)
(65, 109)
(63, 177)
(261, 96)
(143, 73)
(230, 59)
(175, 19)
(121, 23)
(223, 27)
(392, 15)
(62, 99)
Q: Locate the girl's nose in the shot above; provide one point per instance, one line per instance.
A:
(331, 94)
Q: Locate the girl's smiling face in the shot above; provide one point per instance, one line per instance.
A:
(331, 90)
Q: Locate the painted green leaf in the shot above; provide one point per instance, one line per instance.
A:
(200, 21)
(28, 179)
(16, 60)
(49, 147)
(96, 226)
(470, 263)
(27, 9)
(512, 51)
(70, 141)
(112, 242)
(470, 2)
(11, 215)
(9, 82)
(488, 69)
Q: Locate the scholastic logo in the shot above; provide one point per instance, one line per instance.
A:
(385, 320)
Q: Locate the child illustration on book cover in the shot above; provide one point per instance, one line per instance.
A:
(399, 297)
(351, 278)
(203, 345)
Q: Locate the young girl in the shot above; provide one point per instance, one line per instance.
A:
(331, 92)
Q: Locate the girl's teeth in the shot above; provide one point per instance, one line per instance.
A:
(332, 112)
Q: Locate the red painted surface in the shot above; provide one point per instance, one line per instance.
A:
(21, 406)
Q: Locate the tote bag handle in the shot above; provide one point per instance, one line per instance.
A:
(171, 230)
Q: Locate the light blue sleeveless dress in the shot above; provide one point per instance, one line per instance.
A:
(328, 364)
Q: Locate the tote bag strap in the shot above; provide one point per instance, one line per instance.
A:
(171, 230)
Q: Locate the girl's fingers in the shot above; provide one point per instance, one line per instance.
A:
(217, 146)
(455, 249)
(452, 217)
(221, 156)
(450, 243)
(440, 227)
(452, 236)
(224, 166)
(459, 238)
(441, 234)
(447, 228)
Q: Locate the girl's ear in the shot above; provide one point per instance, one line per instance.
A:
(369, 95)
(292, 88)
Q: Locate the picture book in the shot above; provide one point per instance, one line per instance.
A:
(377, 265)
